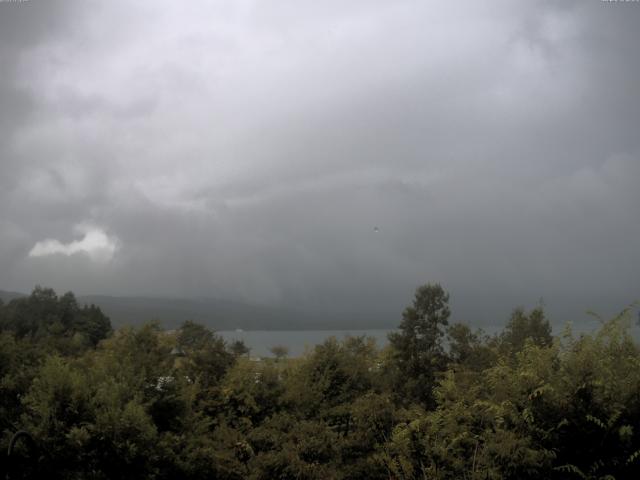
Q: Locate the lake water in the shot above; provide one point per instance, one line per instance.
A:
(260, 341)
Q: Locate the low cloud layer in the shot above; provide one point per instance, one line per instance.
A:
(245, 150)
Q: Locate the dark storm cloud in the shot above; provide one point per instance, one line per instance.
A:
(249, 151)
(23, 27)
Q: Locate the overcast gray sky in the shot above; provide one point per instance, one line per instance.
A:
(248, 150)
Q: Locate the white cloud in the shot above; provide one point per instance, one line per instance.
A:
(95, 243)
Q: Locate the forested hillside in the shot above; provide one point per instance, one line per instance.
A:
(441, 401)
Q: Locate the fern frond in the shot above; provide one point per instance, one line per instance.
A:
(633, 457)
(596, 421)
(568, 468)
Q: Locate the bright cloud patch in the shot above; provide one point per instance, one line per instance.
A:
(99, 246)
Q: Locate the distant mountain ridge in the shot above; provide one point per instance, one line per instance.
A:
(217, 314)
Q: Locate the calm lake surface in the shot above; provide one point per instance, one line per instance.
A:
(260, 341)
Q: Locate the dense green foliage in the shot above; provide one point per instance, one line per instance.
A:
(439, 402)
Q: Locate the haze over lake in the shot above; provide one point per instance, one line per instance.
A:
(297, 341)
(300, 341)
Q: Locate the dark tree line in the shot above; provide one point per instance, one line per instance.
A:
(45, 316)
(440, 401)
